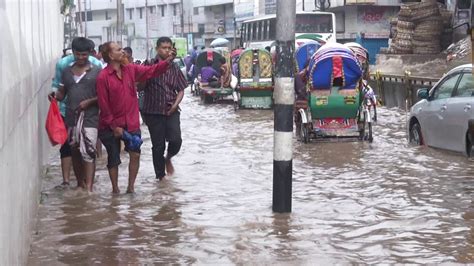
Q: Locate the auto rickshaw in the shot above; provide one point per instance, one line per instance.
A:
(209, 94)
(255, 79)
(334, 98)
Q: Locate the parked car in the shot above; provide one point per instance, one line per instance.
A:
(180, 62)
(444, 118)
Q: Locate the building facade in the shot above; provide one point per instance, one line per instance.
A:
(365, 21)
(147, 20)
(206, 20)
(139, 22)
(97, 20)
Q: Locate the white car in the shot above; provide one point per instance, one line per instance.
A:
(444, 118)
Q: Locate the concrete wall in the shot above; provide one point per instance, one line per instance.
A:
(31, 43)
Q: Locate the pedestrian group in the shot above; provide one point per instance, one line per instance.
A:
(98, 97)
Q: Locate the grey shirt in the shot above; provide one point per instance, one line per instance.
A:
(77, 92)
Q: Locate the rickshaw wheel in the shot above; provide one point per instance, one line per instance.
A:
(236, 106)
(197, 90)
(362, 131)
(304, 133)
(361, 125)
(207, 99)
(370, 137)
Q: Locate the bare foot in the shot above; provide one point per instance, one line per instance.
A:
(161, 178)
(116, 191)
(64, 185)
(169, 167)
(130, 190)
(81, 184)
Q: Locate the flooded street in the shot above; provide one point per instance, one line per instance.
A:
(384, 202)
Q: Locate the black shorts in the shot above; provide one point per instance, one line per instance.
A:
(112, 145)
(65, 150)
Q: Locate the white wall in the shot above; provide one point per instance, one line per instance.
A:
(32, 37)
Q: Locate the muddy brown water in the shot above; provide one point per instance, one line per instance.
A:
(353, 202)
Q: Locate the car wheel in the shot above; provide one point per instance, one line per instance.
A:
(415, 134)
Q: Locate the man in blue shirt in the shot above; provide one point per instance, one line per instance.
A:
(210, 75)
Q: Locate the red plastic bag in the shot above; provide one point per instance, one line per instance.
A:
(55, 127)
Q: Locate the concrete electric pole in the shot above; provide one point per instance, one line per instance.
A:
(119, 22)
(284, 95)
(146, 29)
(80, 18)
(472, 35)
(85, 20)
(181, 20)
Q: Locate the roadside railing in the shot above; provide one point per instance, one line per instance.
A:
(398, 90)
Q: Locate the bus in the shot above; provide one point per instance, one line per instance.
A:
(261, 32)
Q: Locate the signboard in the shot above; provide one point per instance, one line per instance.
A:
(270, 7)
(181, 47)
(244, 11)
(220, 29)
(199, 42)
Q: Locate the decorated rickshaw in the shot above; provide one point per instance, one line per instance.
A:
(369, 101)
(333, 76)
(255, 79)
(210, 94)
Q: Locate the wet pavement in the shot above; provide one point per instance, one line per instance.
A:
(384, 202)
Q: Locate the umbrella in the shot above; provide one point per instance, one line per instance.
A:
(236, 52)
(219, 42)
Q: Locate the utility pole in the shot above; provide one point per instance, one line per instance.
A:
(119, 22)
(85, 21)
(284, 95)
(235, 33)
(182, 18)
(80, 17)
(472, 35)
(146, 29)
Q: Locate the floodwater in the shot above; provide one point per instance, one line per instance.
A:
(384, 202)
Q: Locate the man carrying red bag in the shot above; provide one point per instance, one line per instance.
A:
(82, 111)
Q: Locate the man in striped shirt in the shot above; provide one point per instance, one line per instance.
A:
(161, 111)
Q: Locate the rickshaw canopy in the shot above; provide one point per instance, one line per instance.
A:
(331, 61)
(304, 53)
(360, 52)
